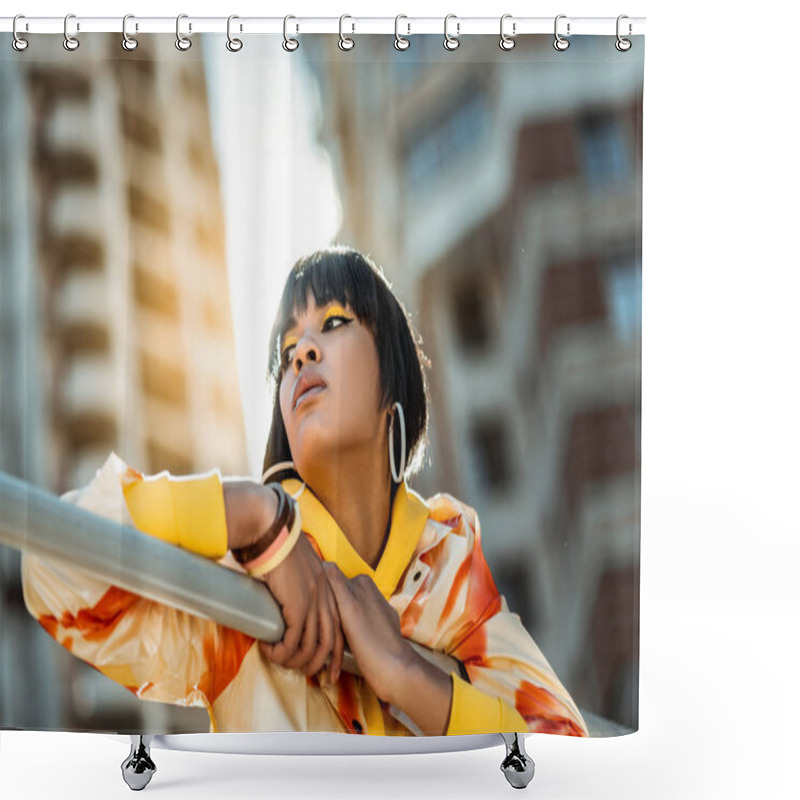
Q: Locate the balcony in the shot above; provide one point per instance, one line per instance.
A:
(67, 127)
(88, 408)
(82, 311)
(77, 210)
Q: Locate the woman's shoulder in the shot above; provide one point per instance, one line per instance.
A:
(452, 512)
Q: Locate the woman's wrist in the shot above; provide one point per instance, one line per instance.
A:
(422, 691)
(250, 509)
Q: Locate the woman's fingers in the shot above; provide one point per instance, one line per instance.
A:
(325, 638)
(308, 642)
(285, 649)
(341, 590)
(337, 654)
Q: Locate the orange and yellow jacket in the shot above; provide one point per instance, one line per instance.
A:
(432, 572)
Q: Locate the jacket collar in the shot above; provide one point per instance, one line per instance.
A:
(409, 517)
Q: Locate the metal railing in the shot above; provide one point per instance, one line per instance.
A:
(38, 522)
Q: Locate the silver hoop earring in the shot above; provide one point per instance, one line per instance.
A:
(280, 467)
(397, 476)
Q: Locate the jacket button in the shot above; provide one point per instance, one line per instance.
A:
(417, 575)
(357, 726)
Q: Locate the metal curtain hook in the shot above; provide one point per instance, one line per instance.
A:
(345, 43)
(451, 42)
(181, 41)
(70, 42)
(18, 43)
(289, 44)
(400, 42)
(234, 45)
(560, 42)
(128, 42)
(623, 44)
(507, 42)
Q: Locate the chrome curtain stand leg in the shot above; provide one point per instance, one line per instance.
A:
(518, 766)
(138, 768)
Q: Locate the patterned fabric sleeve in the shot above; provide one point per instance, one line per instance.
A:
(157, 652)
(511, 682)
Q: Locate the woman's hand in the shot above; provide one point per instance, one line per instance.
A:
(394, 670)
(372, 628)
(313, 629)
(298, 584)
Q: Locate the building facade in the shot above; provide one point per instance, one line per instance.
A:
(116, 320)
(501, 193)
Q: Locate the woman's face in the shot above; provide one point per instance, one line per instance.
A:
(330, 386)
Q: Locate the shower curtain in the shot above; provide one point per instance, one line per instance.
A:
(152, 203)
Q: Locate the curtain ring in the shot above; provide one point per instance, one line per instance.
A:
(560, 43)
(182, 42)
(234, 45)
(18, 43)
(345, 43)
(400, 42)
(128, 42)
(289, 44)
(623, 44)
(70, 43)
(451, 42)
(507, 42)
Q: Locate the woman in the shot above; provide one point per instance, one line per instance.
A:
(377, 565)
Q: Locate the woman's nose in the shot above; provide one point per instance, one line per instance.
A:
(305, 350)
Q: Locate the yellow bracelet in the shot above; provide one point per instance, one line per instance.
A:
(278, 558)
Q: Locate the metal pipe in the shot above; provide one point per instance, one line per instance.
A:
(36, 521)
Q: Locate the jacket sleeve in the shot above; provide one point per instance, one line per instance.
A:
(512, 687)
(155, 651)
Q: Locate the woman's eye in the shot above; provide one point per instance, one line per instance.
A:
(338, 318)
(286, 356)
(331, 323)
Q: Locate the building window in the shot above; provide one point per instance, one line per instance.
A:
(514, 578)
(145, 208)
(407, 71)
(490, 450)
(470, 309)
(624, 296)
(140, 130)
(441, 143)
(162, 380)
(155, 293)
(604, 150)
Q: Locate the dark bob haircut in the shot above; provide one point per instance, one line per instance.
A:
(345, 275)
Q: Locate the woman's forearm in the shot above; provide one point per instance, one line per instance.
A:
(425, 693)
(249, 510)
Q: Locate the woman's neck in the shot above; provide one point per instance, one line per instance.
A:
(358, 494)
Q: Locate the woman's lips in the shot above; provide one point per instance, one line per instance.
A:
(314, 390)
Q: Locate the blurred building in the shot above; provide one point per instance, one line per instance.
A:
(501, 192)
(116, 321)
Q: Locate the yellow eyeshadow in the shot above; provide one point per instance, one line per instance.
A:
(335, 311)
(331, 312)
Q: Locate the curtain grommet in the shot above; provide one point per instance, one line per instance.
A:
(560, 43)
(233, 44)
(18, 43)
(451, 42)
(289, 44)
(622, 44)
(70, 43)
(345, 42)
(128, 42)
(183, 43)
(507, 42)
(401, 42)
